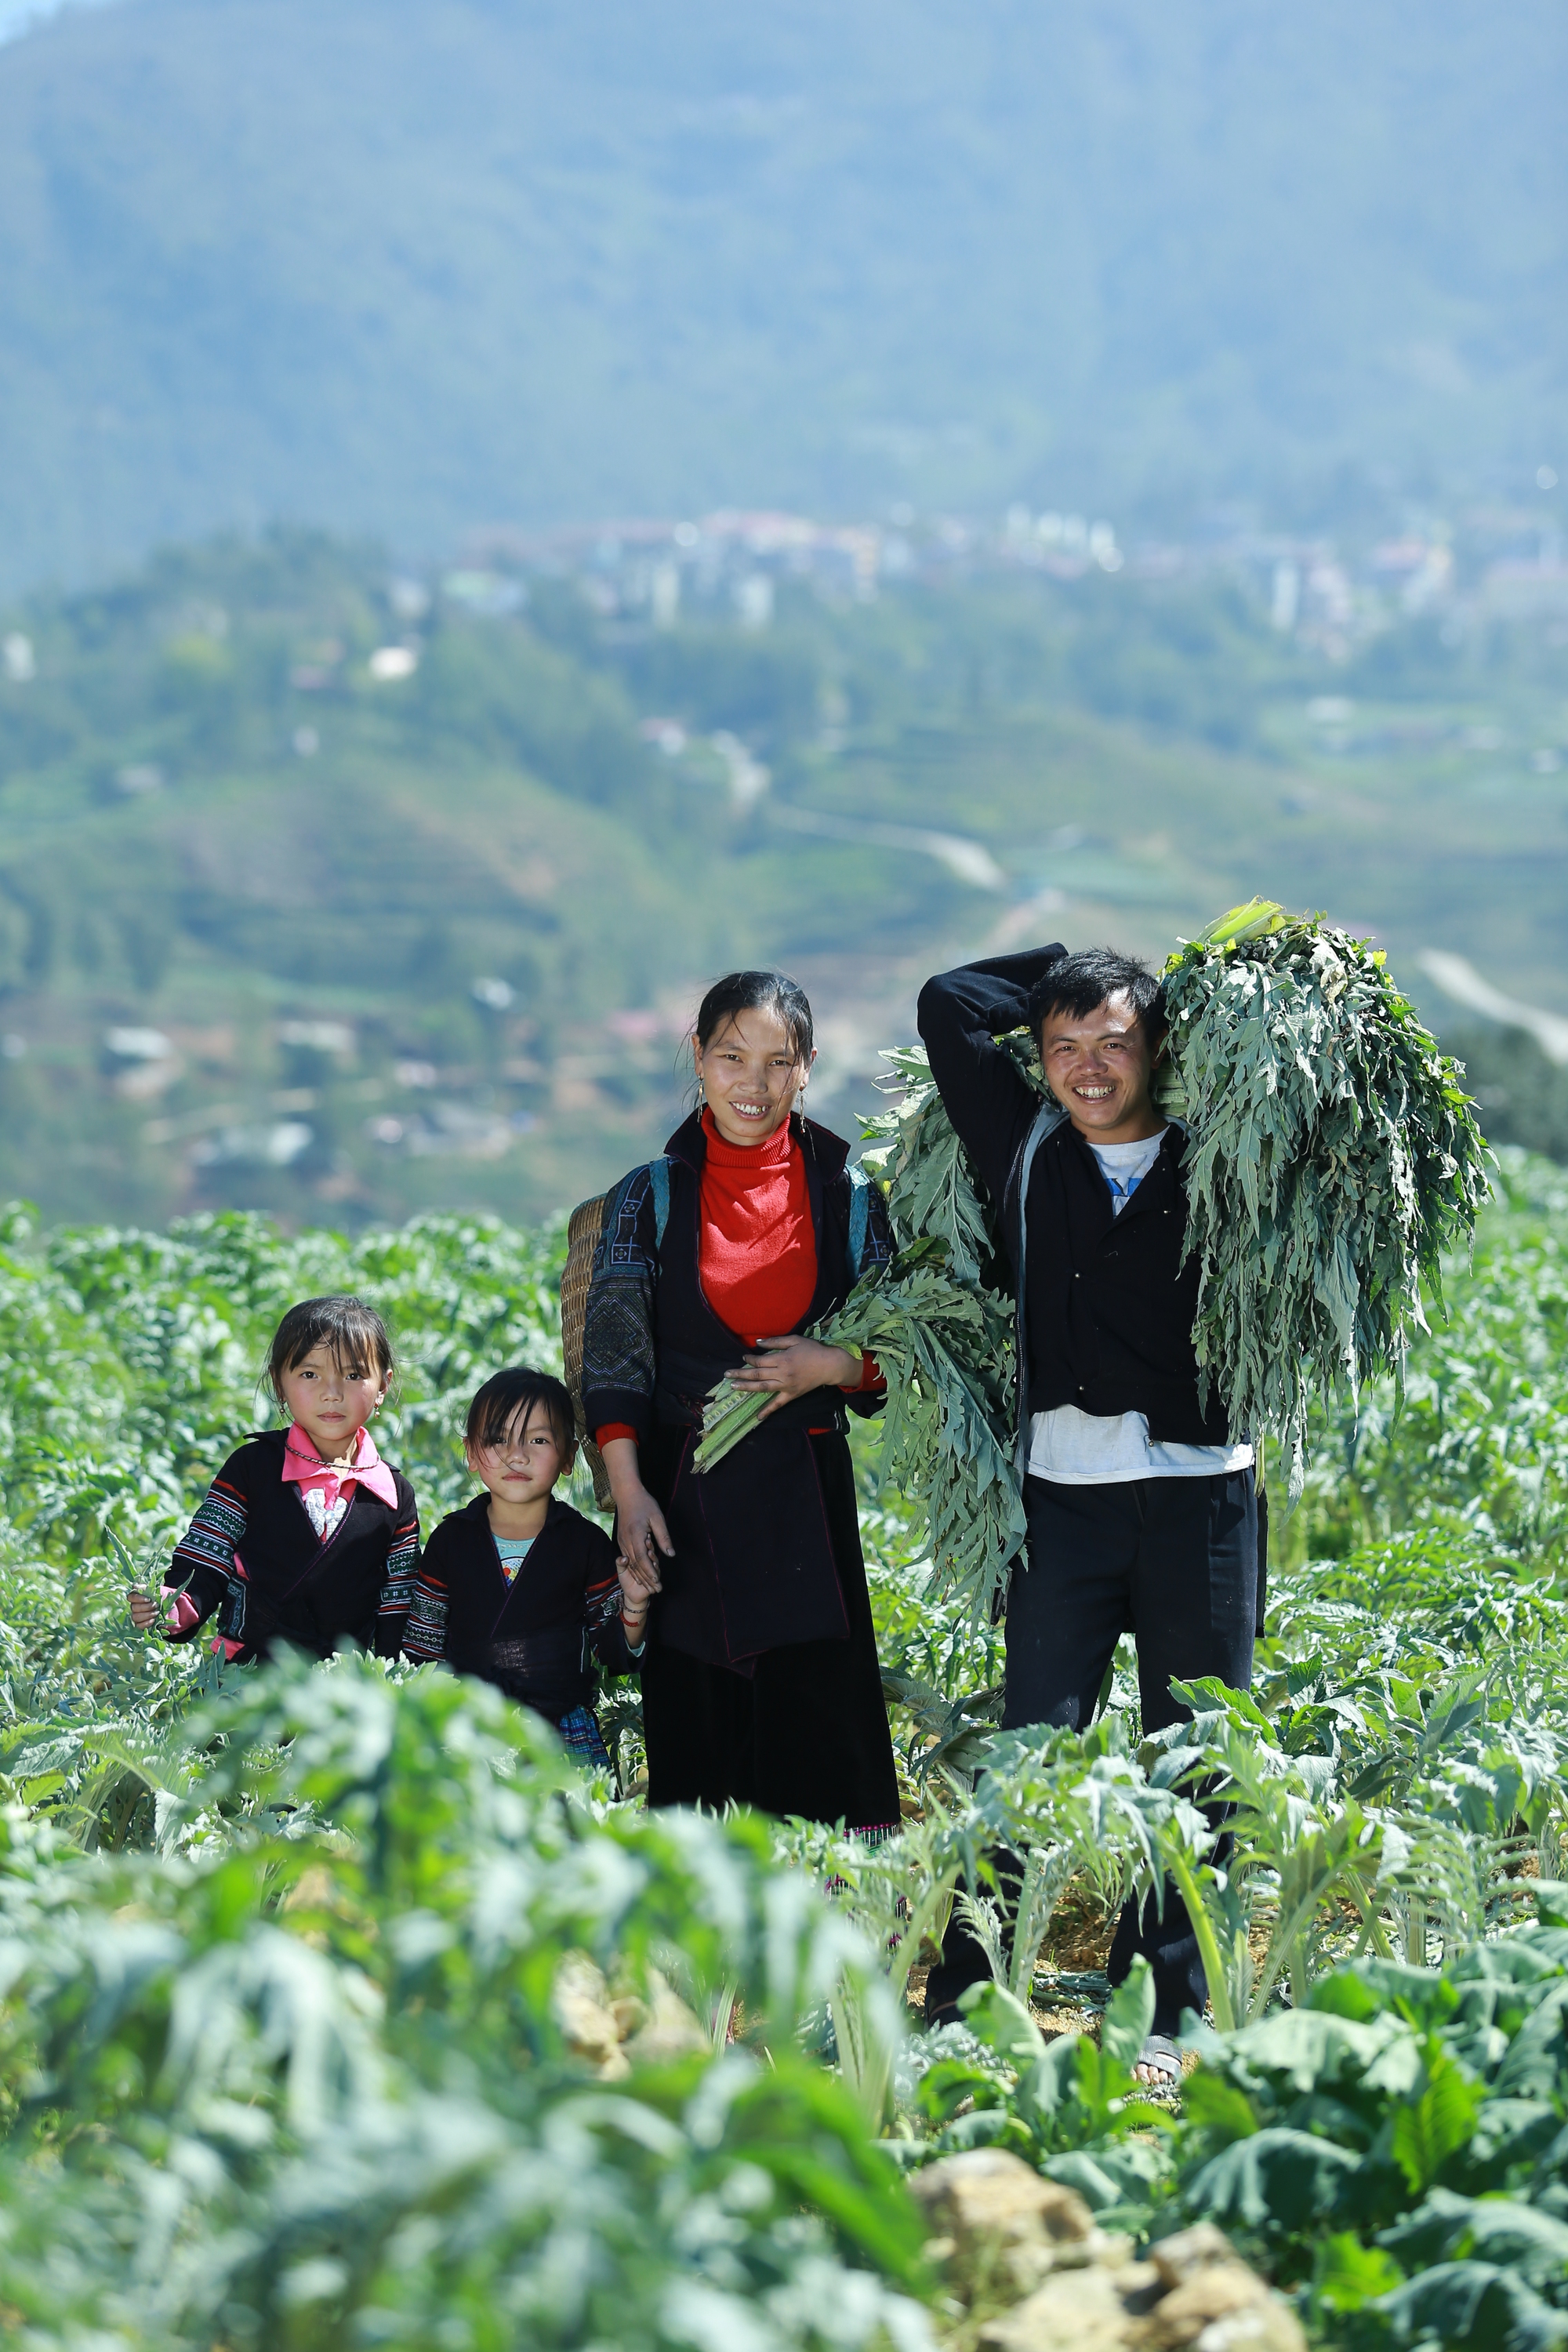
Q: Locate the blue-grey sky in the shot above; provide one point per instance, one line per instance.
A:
(15, 16)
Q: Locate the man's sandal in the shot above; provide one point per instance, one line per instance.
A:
(1163, 2061)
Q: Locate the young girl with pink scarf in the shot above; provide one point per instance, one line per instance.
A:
(306, 1535)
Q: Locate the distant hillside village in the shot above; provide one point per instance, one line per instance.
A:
(536, 795)
(1493, 561)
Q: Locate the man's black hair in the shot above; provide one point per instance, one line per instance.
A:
(1079, 984)
(516, 1391)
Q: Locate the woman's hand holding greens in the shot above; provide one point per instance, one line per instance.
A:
(640, 1530)
(792, 1367)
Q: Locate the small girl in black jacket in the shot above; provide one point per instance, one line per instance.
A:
(517, 1588)
(306, 1535)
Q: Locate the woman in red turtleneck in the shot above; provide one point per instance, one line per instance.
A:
(760, 1676)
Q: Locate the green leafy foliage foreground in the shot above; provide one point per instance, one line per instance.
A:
(338, 2048)
(336, 2009)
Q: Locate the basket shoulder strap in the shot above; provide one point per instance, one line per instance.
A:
(859, 1217)
(658, 1173)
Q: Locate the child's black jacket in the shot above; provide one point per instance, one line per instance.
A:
(533, 1638)
(286, 1584)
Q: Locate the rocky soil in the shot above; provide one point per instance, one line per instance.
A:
(1027, 2269)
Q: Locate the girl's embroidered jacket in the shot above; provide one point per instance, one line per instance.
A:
(532, 1637)
(252, 1554)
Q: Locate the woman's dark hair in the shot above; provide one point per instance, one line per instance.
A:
(518, 1390)
(354, 1332)
(757, 992)
(1079, 984)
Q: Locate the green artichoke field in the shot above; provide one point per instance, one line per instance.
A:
(337, 2009)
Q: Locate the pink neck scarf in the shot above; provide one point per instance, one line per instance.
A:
(302, 1466)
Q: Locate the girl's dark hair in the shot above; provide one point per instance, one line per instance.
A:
(353, 1331)
(1080, 984)
(518, 1389)
(758, 991)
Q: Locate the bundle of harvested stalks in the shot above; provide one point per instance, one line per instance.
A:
(729, 1415)
(946, 1349)
(924, 1171)
(1333, 1160)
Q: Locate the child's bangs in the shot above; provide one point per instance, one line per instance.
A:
(353, 1334)
(506, 1404)
(355, 1341)
(500, 1417)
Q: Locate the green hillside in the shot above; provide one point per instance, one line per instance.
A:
(409, 269)
(277, 932)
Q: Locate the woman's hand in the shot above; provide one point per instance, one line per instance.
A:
(642, 1535)
(144, 1612)
(640, 1531)
(792, 1367)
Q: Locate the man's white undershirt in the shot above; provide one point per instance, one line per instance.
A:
(1095, 1449)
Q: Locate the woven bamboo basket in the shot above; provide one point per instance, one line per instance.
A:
(583, 1231)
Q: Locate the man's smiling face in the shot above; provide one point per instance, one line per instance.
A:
(1098, 1065)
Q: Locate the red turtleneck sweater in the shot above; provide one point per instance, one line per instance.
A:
(757, 1251)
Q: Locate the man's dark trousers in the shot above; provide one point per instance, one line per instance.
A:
(1173, 1561)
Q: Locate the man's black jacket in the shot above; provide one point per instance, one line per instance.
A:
(1105, 1305)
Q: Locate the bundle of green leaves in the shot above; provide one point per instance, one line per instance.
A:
(944, 1441)
(924, 1171)
(942, 1327)
(1334, 1158)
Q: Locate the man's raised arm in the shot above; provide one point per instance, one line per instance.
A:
(961, 1013)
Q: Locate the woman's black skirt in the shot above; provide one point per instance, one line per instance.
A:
(806, 1731)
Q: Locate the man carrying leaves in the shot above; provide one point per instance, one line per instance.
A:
(1140, 1502)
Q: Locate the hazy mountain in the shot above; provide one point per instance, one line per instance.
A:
(417, 267)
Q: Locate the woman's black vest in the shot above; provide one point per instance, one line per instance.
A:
(755, 1568)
